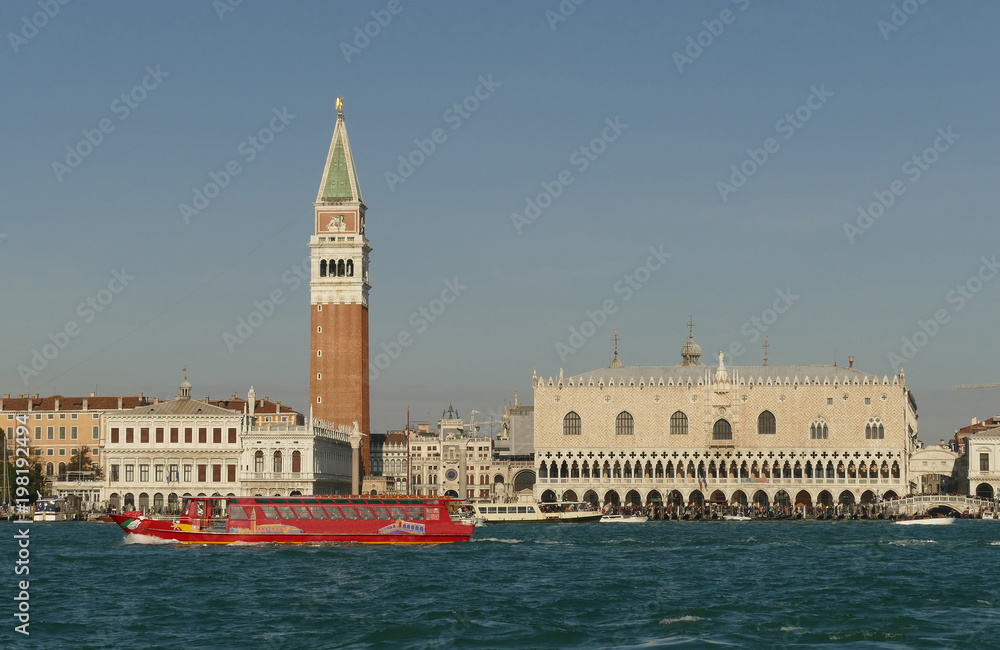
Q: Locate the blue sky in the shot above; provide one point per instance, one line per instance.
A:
(214, 78)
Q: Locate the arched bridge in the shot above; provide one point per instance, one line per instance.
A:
(927, 502)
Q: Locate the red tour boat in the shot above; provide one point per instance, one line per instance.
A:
(303, 520)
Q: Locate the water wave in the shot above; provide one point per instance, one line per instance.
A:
(681, 619)
(148, 540)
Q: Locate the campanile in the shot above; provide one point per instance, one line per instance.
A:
(338, 383)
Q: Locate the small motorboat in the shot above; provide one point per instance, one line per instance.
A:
(622, 519)
(925, 520)
(737, 518)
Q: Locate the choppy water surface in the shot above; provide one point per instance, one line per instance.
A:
(745, 584)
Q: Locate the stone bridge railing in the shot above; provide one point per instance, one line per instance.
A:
(928, 501)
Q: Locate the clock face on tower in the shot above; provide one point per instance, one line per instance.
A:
(451, 475)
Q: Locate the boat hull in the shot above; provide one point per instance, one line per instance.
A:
(623, 520)
(166, 531)
(941, 521)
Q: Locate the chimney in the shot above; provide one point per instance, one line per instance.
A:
(57, 404)
(6, 395)
(120, 403)
(942, 442)
(974, 420)
(31, 404)
(850, 360)
(277, 407)
(140, 398)
(156, 400)
(36, 395)
(86, 404)
(93, 394)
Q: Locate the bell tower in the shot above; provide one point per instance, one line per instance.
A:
(338, 383)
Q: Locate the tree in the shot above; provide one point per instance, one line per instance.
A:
(35, 478)
(80, 462)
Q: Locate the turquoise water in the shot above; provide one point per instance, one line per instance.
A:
(749, 584)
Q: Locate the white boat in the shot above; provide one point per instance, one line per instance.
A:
(51, 509)
(622, 519)
(925, 520)
(736, 518)
(532, 512)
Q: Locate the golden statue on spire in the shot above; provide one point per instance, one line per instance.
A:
(340, 105)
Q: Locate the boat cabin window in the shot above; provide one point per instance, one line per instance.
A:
(397, 513)
(415, 514)
(317, 512)
(350, 513)
(270, 512)
(491, 510)
(237, 512)
(522, 508)
(366, 513)
(382, 513)
(286, 512)
(301, 512)
(334, 513)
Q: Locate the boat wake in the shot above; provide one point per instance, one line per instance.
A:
(497, 539)
(148, 540)
(912, 542)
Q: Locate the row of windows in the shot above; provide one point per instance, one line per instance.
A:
(62, 416)
(62, 452)
(385, 513)
(172, 474)
(174, 435)
(336, 268)
(722, 430)
(713, 470)
(50, 433)
(276, 462)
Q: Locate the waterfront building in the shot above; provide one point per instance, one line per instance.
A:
(975, 426)
(388, 460)
(803, 434)
(938, 469)
(156, 453)
(983, 456)
(59, 429)
(339, 286)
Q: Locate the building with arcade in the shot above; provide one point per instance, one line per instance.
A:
(690, 434)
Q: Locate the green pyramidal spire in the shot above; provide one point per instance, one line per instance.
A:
(340, 182)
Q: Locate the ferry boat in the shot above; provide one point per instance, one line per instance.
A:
(622, 519)
(51, 509)
(303, 520)
(925, 520)
(535, 513)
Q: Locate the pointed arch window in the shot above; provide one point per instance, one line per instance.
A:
(819, 430)
(572, 424)
(874, 430)
(678, 424)
(624, 424)
(722, 430)
(766, 424)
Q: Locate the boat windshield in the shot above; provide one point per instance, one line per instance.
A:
(567, 507)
